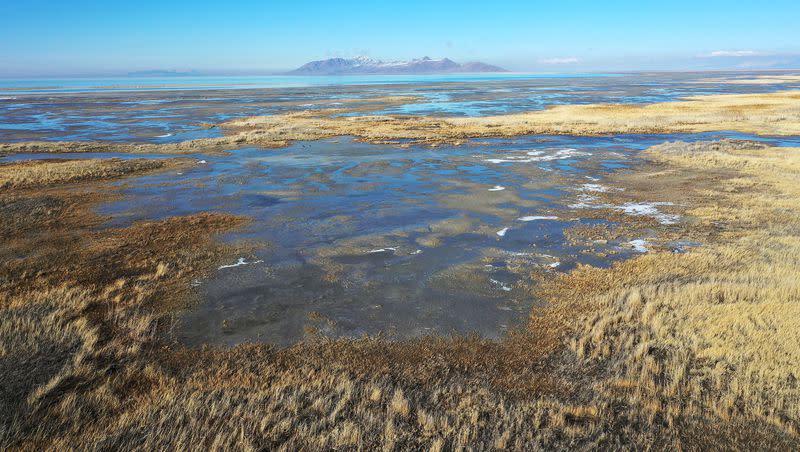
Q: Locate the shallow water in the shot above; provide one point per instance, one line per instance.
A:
(357, 239)
(348, 238)
(182, 111)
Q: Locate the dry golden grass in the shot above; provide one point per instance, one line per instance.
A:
(43, 173)
(765, 114)
(665, 351)
(769, 114)
(716, 330)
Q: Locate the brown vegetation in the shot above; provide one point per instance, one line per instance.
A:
(43, 173)
(765, 114)
(769, 114)
(665, 351)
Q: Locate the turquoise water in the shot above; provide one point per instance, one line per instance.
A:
(77, 85)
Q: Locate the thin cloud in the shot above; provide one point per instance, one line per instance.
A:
(562, 60)
(733, 53)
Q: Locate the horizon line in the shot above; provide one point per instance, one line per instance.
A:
(285, 73)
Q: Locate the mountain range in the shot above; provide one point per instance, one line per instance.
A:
(364, 65)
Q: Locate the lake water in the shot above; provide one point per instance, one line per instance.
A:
(183, 111)
(107, 84)
(348, 238)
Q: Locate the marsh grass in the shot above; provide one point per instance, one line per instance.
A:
(44, 173)
(770, 114)
(775, 113)
(665, 351)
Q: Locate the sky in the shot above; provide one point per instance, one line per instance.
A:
(72, 38)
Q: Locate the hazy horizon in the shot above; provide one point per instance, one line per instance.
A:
(51, 39)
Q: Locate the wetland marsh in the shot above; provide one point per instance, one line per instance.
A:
(514, 263)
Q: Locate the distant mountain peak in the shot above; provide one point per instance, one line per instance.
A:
(363, 65)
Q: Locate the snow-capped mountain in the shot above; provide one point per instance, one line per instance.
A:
(365, 65)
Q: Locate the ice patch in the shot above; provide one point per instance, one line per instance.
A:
(554, 264)
(646, 209)
(8, 98)
(594, 187)
(650, 210)
(592, 178)
(239, 263)
(164, 136)
(497, 188)
(584, 201)
(536, 156)
(502, 232)
(202, 162)
(382, 250)
(537, 217)
(416, 252)
(501, 284)
(639, 245)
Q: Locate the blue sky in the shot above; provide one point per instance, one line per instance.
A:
(49, 38)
